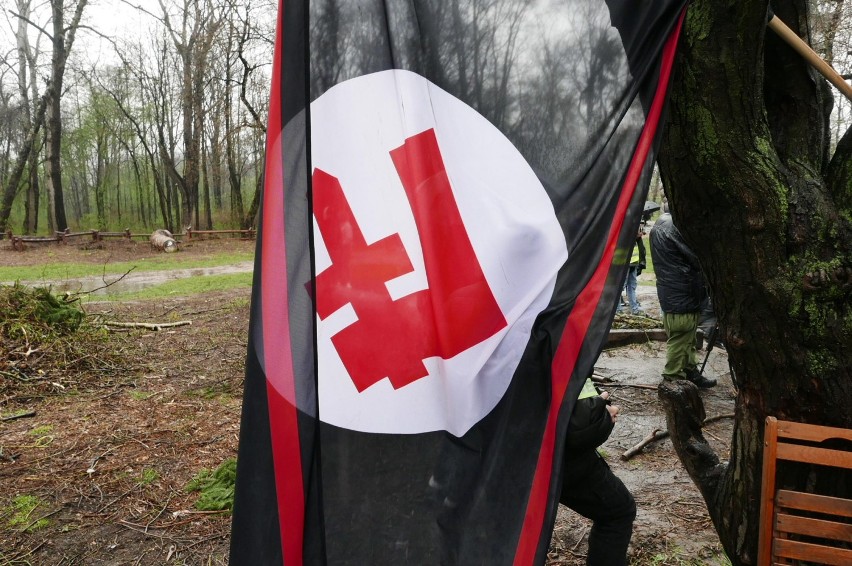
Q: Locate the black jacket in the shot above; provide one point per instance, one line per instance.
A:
(590, 424)
(680, 285)
(588, 428)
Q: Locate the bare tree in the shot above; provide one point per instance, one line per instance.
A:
(192, 37)
(62, 40)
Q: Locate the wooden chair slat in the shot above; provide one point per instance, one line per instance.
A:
(821, 528)
(812, 455)
(813, 433)
(816, 503)
(812, 552)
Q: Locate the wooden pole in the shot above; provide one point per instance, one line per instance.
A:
(803, 49)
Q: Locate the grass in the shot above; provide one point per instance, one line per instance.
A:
(148, 476)
(21, 509)
(140, 395)
(40, 431)
(160, 262)
(189, 286)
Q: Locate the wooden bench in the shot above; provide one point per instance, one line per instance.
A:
(799, 526)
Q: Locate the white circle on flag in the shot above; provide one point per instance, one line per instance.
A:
(509, 220)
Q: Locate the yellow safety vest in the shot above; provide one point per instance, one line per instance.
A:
(588, 390)
(634, 258)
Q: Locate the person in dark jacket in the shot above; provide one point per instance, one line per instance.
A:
(680, 288)
(588, 485)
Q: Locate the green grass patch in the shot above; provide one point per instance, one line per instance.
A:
(40, 431)
(140, 395)
(149, 476)
(160, 262)
(240, 303)
(187, 286)
(216, 489)
(207, 393)
(21, 510)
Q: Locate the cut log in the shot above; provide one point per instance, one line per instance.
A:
(625, 336)
(163, 240)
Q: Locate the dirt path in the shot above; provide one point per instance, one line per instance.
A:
(107, 459)
(134, 281)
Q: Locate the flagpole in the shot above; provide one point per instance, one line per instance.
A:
(810, 55)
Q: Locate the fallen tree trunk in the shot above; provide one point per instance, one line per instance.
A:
(163, 240)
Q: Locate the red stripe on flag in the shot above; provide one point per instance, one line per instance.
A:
(578, 321)
(277, 353)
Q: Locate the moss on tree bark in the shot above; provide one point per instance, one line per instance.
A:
(746, 167)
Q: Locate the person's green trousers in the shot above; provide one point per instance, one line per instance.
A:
(680, 346)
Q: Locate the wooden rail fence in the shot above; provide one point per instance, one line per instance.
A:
(64, 237)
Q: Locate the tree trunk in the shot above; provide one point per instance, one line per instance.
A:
(55, 199)
(250, 219)
(14, 181)
(33, 188)
(63, 39)
(205, 175)
(100, 180)
(26, 68)
(756, 197)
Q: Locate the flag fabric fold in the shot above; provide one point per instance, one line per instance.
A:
(451, 190)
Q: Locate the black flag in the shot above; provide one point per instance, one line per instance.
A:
(451, 191)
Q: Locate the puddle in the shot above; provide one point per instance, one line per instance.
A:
(133, 281)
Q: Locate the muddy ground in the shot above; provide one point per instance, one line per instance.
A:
(107, 456)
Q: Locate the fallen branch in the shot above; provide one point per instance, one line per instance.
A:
(19, 416)
(658, 434)
(104, 286)
(610, 382)
(636, 385)
(655, 435)
(155, 326)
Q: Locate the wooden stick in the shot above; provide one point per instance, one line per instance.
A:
(19, 416)
(655, 435)
(803, 49)
(658, 434)
(149, 325)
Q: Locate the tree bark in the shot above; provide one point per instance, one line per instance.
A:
(752, 190)
(61, 48)
(11, 188)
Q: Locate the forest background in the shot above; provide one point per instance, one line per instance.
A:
(151, 114)
(146, 115)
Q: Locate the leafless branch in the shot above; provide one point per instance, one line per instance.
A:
(32, 23)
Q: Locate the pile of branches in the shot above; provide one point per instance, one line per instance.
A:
(624, 321)
(47, 345)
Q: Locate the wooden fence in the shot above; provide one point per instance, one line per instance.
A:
(20, 242)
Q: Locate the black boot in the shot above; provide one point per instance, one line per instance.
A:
(702, 382)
